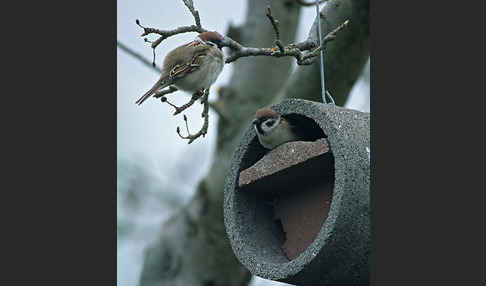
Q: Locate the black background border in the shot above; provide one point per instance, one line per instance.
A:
(60, 132)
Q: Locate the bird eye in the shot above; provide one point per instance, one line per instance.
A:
(269, 123)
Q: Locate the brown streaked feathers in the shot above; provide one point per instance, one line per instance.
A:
(177, 66)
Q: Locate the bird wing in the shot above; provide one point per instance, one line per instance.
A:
(177, 64)
(182, 70)
(185, 59)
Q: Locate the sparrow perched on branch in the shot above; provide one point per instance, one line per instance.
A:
(272, 129)
(192, 67)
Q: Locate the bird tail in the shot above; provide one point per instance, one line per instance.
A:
(161, 83)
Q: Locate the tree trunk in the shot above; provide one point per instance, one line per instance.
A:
(193, 248)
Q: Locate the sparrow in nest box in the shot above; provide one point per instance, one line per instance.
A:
(272, 129)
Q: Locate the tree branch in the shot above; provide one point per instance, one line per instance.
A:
(190, 5)
(329, 37)
(204, 129)
(298, 51)
(274, 23)
(164, 34)
(238, 50)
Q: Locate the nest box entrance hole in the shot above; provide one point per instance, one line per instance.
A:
(286, 193)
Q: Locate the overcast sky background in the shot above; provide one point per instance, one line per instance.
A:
(146, 134)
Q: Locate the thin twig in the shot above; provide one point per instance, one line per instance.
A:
(275, 27)
(204, 129)
(329, 37)
(190, 5)
(303, 3)
(164, 34)
(179, 109)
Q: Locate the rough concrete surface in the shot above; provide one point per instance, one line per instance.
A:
(339, 255)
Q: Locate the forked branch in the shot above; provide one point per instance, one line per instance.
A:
(204, 129)
(304, 52)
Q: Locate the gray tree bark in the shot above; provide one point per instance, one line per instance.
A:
(192, 248)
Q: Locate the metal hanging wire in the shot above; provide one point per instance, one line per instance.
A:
(323, 88)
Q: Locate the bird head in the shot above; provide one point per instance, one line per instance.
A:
(212, 39)
(266, 120)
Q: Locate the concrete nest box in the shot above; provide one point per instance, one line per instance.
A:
(300, 213)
